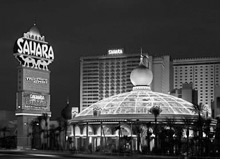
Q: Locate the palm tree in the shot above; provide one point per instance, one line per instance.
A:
(155, 110)
(137, 130)
(45, 117)
(178, 134)
(199, 109)
(59, 130)
(187, 122)
(170, 122)
(4, 130)
(148, 135)
(33, 124)
(207, 124)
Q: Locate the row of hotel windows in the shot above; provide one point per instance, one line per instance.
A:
(198, 66)
(196, 79)
(196, 70)
(196, 73)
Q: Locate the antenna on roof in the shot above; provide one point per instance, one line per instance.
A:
(35, 21)
(141, 58)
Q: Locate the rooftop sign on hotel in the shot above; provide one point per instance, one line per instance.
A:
(115, 51)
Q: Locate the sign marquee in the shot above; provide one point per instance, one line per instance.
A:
(33, 80)
(37, 80)
(32, 48)
(33, 101)
(32, 53)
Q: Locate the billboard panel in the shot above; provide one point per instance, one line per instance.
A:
(35, 80)
(33, 101)
(74, 112)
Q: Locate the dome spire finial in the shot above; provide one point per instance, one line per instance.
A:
(67, 100)
(141, 58)
(35, 21)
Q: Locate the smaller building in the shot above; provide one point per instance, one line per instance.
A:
(216, 103)
(186, 92)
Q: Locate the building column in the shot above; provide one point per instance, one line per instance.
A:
(87, 136)
(101, 137)
(74, 136)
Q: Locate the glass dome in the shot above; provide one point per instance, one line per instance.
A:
(139, 101)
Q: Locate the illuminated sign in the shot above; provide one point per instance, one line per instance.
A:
(115, 51)
(37, 49)
(34, 80)
(37, 80)
(74, 111)
(32, 53)
(33, 101)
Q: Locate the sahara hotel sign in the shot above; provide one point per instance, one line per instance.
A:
(32, 53)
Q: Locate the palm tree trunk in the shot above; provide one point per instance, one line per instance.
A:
(155, 141)
(148, 138)
(187, 134)
(101, 137)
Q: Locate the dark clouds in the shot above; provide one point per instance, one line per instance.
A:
(181, 28)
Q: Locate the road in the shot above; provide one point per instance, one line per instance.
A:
(39, 154)
(22, 154)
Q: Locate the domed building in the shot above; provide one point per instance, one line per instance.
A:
(109, 121)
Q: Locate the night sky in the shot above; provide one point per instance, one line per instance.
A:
(75, 28)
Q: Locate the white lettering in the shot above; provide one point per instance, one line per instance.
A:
(116, 51)
(39, 50)
(20, 40)
(39, 97)
(37, 80)
(32, 48)
(51, 53)
(44, 51)
(26, 49)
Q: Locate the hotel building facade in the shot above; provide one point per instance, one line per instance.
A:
(203, 73)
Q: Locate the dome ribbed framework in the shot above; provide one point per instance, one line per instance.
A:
(140, 102)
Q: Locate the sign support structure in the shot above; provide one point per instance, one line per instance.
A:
(33, 88)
